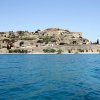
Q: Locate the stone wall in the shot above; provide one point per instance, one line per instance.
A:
(81, 48)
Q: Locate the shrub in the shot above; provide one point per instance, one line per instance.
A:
(59, 51)
(40, 41)
(86, 50)
(13, 40)
(20, 32)
(27, 38)
(48, 39)
(98, 51)
(45, 50)
(18, 51)
(37, 31)
(69, 51)
(49, 50)
(80, 50)
(62, 43)
(53, 40)
(52, 50)
(4, 46)
(6, 40)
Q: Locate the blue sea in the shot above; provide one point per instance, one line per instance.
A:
(50, 77)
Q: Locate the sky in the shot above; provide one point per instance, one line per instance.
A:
(74, 15)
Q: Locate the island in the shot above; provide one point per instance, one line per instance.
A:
(48, 41)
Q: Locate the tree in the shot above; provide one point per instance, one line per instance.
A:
(37, 31)
(8, 46)
(97, 41)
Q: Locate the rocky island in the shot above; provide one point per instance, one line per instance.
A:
(49, 41)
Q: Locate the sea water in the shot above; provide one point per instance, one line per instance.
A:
(50, 77)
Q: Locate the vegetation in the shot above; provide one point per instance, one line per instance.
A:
(98, 51)
(80, 50)
(21, 32)
(2, 32)
(48, 39)
(4, 46)
(27, 38)
(53, 40)
(11, 34)
(12, 40)
(6, 40)
(40, 41)
(59, 51)
(49, 50)
(69, 51)
(9, 45)
(97, 41)
(86, 50)
(62, 43)
(52, 51)
(37, 31)
(18, 51)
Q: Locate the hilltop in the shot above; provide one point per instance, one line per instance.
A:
(51, 40)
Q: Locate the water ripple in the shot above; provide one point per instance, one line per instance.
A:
(49, 77)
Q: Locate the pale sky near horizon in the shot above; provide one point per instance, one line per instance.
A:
(75, 15)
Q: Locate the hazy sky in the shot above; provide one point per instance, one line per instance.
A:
(75, 15)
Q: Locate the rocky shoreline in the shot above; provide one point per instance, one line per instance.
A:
(49, 41)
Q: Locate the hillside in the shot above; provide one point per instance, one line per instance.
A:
(51, 40)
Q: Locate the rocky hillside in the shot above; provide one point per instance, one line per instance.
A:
(39, 41)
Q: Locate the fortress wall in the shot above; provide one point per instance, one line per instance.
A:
(85, 48)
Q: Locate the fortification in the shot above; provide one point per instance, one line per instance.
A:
(45, 41)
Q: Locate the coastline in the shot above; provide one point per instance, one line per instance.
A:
(48, 41)
(38, 53)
